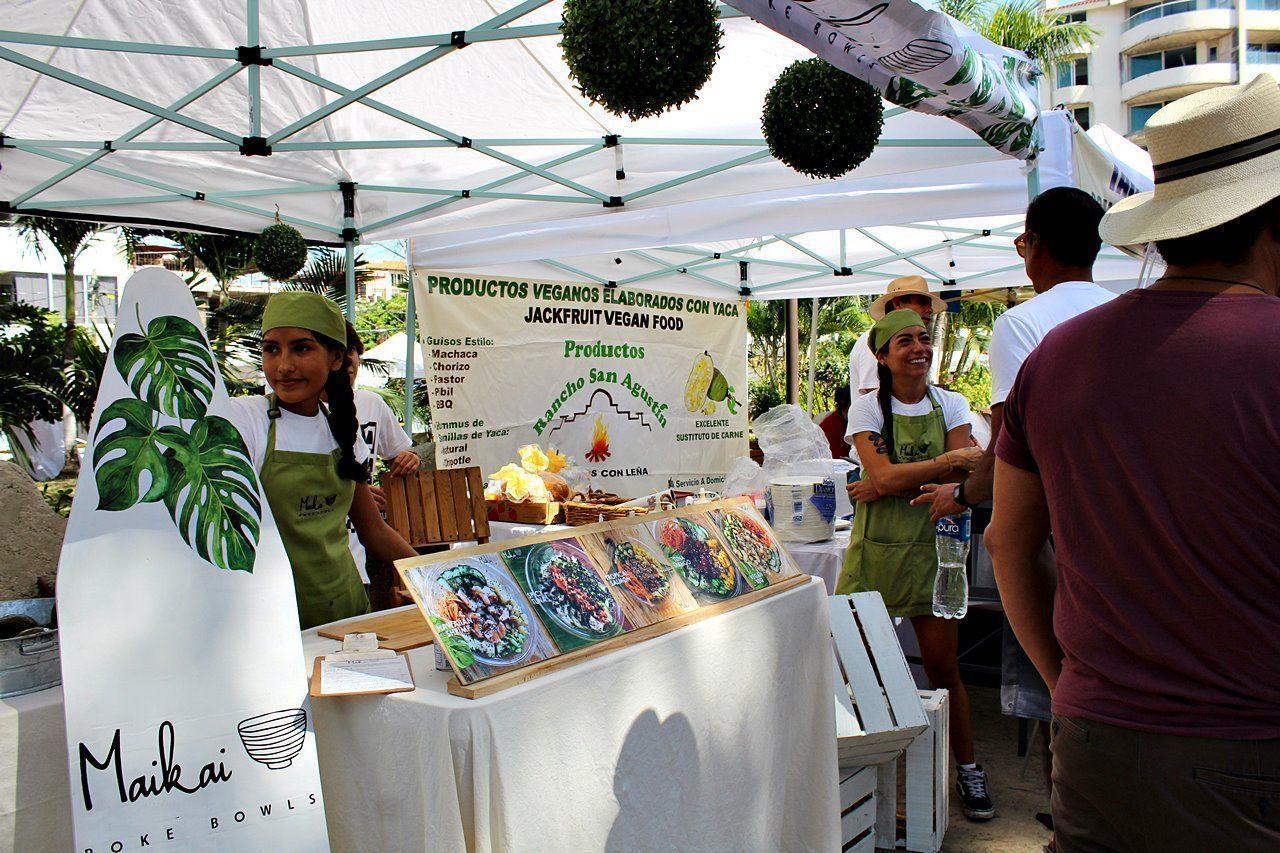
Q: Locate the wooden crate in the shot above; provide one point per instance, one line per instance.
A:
(526, 512)
(926, 796)
(878, 709)
(858, 809)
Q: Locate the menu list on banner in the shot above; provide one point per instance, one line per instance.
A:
(640, 389)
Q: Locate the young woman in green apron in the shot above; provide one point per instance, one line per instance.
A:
(909, 434)
(310, 458)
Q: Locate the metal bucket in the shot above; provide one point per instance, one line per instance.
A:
(30, 661)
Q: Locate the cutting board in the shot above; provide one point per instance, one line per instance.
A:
(398, 631)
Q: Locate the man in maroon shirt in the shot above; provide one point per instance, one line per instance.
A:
(1146, 434)
(835, 424)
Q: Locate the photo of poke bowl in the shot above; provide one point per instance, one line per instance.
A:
(750, 542)
(483, 610)
(643, 575)
(698, 556)
(562, 584)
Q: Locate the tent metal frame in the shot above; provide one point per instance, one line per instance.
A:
(253, 56)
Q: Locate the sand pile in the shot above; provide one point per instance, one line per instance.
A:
(30, 535)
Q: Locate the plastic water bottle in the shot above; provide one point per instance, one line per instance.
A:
(951, 587)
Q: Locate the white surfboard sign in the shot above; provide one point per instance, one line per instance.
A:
(188, 726)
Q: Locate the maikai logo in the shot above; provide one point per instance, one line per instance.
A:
(310, 505)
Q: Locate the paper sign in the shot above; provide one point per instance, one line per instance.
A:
(381, 674)
(188, 726)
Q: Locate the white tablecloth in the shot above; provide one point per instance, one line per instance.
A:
(718, 736)
(35, 792)
(821, 559)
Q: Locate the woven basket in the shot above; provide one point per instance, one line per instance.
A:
(579, 513)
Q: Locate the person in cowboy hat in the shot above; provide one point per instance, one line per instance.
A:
(910, 291)
(1146, 433)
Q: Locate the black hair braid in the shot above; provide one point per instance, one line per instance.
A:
(885, 396)
(342, 415)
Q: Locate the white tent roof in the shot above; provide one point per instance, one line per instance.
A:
(510, 97)
(391, 352)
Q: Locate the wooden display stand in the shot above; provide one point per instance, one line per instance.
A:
(878, 710)
(638, 635)
(399, 631)
(919, 821)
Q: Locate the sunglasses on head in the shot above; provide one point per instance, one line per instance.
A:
(1021, 242)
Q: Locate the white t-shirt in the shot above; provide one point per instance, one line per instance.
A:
(863, 367)
(865, 415)
(1021, 329)
(380, 430)
(293, 432)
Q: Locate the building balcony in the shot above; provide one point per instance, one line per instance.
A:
(1171, 83)
(1073, 94)
(1262, 16)
(1178, 22)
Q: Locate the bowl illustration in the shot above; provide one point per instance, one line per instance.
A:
(275, 738)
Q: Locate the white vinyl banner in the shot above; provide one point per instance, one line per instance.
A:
(642, 389)
(182, 668)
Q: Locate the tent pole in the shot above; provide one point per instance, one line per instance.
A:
(411, 332)
(792, 331)
(813, 348)
(349, 236)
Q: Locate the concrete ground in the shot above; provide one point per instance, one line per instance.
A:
(1018, 795)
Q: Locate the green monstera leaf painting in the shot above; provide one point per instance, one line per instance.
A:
(128, 455)
(199, 466)
(169, 366)
(212, 494)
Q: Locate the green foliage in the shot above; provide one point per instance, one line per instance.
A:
(821, 121)
(1024, 25)
(280, 251)
(30, 368)
(975, 385)
(169, 367)
(640, 57)
(83, 377)
(378, 320)
(127, 455)
(212, 493)
(763, 396)
(840, 321)
(198, 466)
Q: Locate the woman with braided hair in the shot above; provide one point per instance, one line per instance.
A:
(310, 457)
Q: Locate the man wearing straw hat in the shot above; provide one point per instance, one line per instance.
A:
(909, 291)
(1146, 432)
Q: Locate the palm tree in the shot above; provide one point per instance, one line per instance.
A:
(1024, 25)
(69, 238)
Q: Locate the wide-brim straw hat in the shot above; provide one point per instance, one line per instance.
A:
(901, 287)
(1216, 156)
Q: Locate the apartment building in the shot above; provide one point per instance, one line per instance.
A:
(1148, 54)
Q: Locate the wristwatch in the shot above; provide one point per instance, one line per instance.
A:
(958, 496)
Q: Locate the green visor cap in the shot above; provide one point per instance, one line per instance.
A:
(891, 324)
(305, 310)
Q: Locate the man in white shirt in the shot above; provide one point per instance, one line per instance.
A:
(910, 291)
(1058, 247)
(380, 429)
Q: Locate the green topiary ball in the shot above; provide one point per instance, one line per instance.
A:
(280, 252)
(821, 121)
(640, 57)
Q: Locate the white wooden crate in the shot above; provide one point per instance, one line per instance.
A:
(928, 789)
(858, 809)
(878, 709)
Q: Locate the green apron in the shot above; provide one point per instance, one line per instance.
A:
(310, 503)
(891, 548)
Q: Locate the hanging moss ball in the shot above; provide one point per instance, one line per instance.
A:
(637, 58)
(820, 120)
(280, 252)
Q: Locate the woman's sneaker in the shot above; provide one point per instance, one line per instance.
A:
(975, 800)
